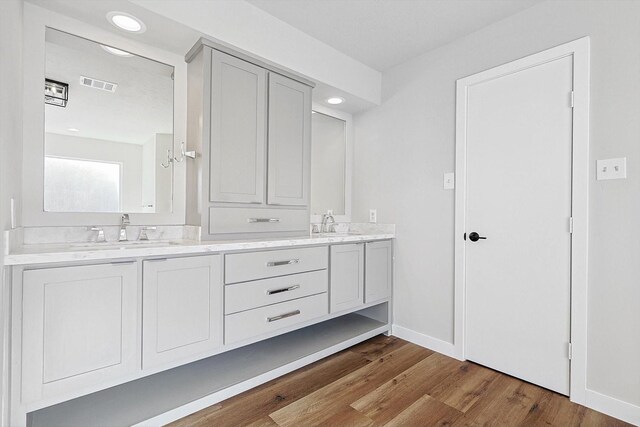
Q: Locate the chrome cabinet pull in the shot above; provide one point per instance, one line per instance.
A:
(128, 261)
(278, 263)
(277, 291)
(283, 316)
(263, 220)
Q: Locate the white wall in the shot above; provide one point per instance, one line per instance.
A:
(129, 155)
(10, 158)
(404, 146)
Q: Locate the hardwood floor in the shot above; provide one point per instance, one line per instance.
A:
(386, 381)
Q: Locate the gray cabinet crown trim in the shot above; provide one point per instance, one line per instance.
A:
(245, 57)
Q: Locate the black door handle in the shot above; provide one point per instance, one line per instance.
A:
(474, 237)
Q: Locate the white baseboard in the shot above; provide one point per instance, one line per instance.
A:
(426, 341)
(611, 406)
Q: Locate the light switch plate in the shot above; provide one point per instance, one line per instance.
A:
(449, 181)
(611, 169)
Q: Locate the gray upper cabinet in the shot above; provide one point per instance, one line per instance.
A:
(250, 123)
(289, 142)
(238, 130)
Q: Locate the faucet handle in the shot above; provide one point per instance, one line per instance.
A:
(100, 237)
(143, 233)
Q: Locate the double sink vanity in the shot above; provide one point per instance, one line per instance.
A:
(143, 333)
(150, 286)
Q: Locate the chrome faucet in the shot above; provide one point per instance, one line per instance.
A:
(124, 221)
(325, 228)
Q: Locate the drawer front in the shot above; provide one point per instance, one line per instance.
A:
(249, 295)
(255, 220)
(260, 265)
(259, 321)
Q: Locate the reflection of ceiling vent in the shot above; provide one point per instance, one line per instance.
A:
(98, 84)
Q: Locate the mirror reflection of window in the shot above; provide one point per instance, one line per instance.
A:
(328, 164)
(76, 185)
(119, 112)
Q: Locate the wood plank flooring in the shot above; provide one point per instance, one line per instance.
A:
(386, 381)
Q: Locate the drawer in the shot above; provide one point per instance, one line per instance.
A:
(256, 220)
(260, 265)
(259, 321)
(248, 295)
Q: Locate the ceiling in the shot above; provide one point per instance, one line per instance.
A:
(385, 33)
(140, 107)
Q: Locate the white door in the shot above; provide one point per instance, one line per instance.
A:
(518, 196)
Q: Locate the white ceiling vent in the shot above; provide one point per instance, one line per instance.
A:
(98, 84)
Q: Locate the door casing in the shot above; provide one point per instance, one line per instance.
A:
(579, 50)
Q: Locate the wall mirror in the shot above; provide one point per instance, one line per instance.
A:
(108, 132)
(330, 164)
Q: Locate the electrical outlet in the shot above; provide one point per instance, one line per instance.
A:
(329, 211)
(373, 215)
(449, 182)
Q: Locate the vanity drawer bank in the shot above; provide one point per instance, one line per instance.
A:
(137, 335)
(251, 124)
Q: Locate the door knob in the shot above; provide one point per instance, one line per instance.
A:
(474, 237)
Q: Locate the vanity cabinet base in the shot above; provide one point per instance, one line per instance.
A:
(170, 395)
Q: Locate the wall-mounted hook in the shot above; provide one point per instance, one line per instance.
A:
(169, 160)
(184, 154)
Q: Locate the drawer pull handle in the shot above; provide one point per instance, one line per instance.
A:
(277, 291)
(283, 316)
(129, 261)
(252, 220)
(278, 263)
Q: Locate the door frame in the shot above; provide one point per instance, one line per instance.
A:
(579, 50)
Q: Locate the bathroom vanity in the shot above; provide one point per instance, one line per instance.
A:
(146, 334)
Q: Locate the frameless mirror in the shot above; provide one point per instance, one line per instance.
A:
(108, 129)
(328, 164)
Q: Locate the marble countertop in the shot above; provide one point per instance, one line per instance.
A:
(77, 252)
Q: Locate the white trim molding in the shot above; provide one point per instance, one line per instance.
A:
(627, 412)
(426, 341)
(579, 50)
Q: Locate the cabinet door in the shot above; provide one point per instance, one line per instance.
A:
(182, 308)
(347, 276)
(80, 328)
(238, 130)
(289, 141)
(378, 271)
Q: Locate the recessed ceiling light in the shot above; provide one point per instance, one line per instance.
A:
(126, 22)
(73, 130)
(335, 100)
(114, 51)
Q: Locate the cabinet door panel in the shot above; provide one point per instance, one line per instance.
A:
(378, 271)
(182, 308)
(238, 130)
(347, 276)
(79, 327)
(289, 141)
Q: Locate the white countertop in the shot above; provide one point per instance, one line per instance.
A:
(74, 252)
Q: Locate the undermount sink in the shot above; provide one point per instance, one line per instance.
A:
(122, 245)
